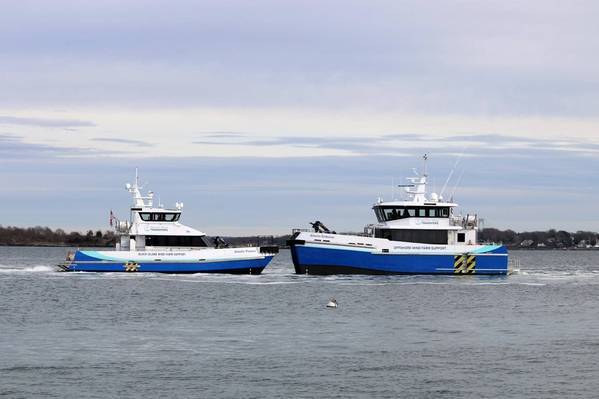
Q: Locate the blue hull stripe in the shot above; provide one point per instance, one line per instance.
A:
(245, 265)
(336, 260)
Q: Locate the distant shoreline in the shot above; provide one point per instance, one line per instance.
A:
(536, 240)
(510, 248)
(53, 245)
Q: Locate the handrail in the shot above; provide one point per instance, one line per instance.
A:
(293, 231)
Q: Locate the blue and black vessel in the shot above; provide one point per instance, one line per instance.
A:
(420, 234)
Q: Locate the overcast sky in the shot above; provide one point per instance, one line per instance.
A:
(264, 115)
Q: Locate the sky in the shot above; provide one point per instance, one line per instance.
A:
(262, 116)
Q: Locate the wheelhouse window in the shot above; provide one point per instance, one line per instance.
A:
(387, 213)
(159, 216)
(420, 236)
(176, 241)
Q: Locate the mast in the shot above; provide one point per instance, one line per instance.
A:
(417, 186)
(135, 190)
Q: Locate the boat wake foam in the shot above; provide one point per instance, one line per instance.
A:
(29, 269)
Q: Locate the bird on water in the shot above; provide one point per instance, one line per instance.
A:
(332, 303)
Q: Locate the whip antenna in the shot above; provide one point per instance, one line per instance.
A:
(456, 185)
(455, 165)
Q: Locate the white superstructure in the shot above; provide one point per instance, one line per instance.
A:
(154, 240)
(422, 219)
(152, 226)
(419, 234)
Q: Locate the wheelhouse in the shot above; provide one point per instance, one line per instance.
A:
(386, 213)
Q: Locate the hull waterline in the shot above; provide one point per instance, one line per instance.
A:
(328, 260)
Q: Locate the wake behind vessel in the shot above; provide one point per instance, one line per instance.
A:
(418, 235)
(153, 240)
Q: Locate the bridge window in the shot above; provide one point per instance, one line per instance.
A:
(176, 241)
(159, 216)
(391, 214)
(388, 213)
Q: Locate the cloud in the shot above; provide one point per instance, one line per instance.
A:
(44, 122)
(137, 143)
(476, 145)
(534, 58)
(483, 138)
(222, 134)
(15, 148)
(510, 85)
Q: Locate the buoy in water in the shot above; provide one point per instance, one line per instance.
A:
(332, 303)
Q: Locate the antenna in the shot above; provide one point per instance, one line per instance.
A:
(456, 185)
(425, 158)
(392, 189)
(451, 173)
(446, 182)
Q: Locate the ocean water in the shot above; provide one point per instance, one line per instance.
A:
(87, 335)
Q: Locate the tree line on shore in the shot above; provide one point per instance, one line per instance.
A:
(44, 236)
(550, 239)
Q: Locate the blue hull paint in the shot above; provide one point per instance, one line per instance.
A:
(250, 266)
(319, 260)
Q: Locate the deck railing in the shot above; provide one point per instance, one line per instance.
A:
(467, 222)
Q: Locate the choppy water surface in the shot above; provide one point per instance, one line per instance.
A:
(87, 335)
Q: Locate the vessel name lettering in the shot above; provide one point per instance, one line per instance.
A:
(161, 253)
(419, 247)
(321, 236)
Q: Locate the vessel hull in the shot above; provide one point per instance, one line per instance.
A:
(210, 261)
(327, 259)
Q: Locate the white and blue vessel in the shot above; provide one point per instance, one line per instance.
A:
(417, 235)
(154, 240)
